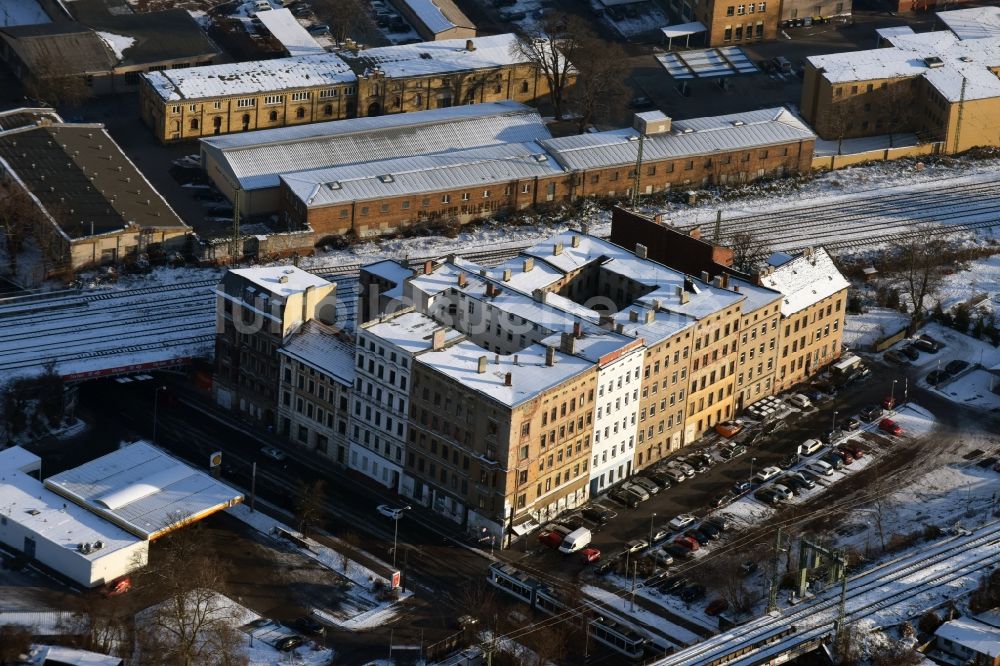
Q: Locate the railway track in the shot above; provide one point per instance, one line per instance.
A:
(881, 576)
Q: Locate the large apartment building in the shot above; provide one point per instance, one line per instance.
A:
(941, 85)
(501, 397)
(728, 22)
(238, 97)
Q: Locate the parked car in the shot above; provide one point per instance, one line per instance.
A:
(693, 593)
(721, 522)
(289, 643)
(675, 475)
(660, 533)
(705, 457)
(854, 448)
(390, 511)
(590, 555)
(783, 492)
(678, 552)
(722, 499)
(889, 402)
(766, 474)
(869, 414)
(789, 461)
(793, 483)
(926, 346)
(803, 480)
(800, 401)
(833, 459)
(809, 447)
(663, 558)
(309, 626)
(598, 514)
(687, 542)
(700, 537)
(844, 454)
(935, 377)
(553, 537)
(830, 436)
(820, 468)
(637, 489)
(956, 366)
(851, 424)
(318, 29)
(273, 452)
(890, 426)
(767, 496)
(742, 488)
(659, 478)
(730, 452)
(893, 356)
(682, 467)
(625, 497)
(710, 530)
(674, 584)
(728, 428)
(716, 607)
(635, 545)
(648, 485)
(696, 463)
(911, 352)
(682, 522)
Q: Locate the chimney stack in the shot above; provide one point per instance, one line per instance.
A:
(705, 277)
(550, 356)
(633, 315)
(660, 218)
(557, 249)
(529, 263)
(619, 328)
(437, 339)
(538, 295)
(462, 281)
(567, 343)
(508, 379)
(605, 321)
(482, 365)
(695, 233)
(576, 241)
(428, 267)
(640, 250)
(577, 330)
(506, 275)
(470, 45)
(717, 281)
(725, 280)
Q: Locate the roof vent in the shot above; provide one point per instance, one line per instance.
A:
(633, 137)
(933, 62)
(966, 59)
(283, 279)
(425, 56)
(335, 185)
(541, 157)
(738, 123)
(688, 130)
(387, 178)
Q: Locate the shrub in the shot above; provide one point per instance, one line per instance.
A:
(929, 622)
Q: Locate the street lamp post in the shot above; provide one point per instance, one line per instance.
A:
(833, 426)
(752, 461)
(395, 532)
(156, 403)
(892, 394)
(651, 538)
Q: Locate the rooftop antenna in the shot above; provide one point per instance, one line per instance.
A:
(234, 253)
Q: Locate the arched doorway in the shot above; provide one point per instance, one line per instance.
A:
(217, 124)
(246, 121)
(374, 109)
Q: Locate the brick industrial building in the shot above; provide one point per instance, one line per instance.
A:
(529, 169)
(238, 97)
(941, 85)
(500, 397)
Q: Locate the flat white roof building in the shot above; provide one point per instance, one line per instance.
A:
(805, 280)
(972, 23)
(60, 535)
(143, 490)
(287, 30)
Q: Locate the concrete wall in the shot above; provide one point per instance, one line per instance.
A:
(832, 162)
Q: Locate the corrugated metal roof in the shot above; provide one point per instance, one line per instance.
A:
(446, 55)
(258, 162)
(321, 347)
(478, 167)
(696, 136)
(287, 30)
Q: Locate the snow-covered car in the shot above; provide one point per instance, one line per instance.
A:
(273, 452)
(682, 521)
(800, 401)
(766, 474)
(390, 511)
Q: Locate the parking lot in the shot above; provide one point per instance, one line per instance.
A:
(736, 481)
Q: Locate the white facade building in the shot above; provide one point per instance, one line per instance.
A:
(615, 419)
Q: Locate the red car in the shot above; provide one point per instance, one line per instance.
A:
(718, 606)
(890, 426)
(551, 538)
(888, 402)
(590, 555)
(844, 454)
(854, 448)
(116, 587)
(687, 542)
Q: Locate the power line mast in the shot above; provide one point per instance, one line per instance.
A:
(637, 178)
(234, 253)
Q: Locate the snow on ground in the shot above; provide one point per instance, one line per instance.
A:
(666, 628)
(864, 144)
(365, 610)
(981, 277)
(201, 17)
(958, 346)
(974, 389)
(914, 419)
(861, 331)
(117, 43)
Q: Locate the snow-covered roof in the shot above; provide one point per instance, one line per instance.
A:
(970, 633)
(439, 15)
(477, 168)
(892, 31)
(66, 656)
(529, 376)
(756, 296)
(805, 280)
(410, 331)
(440, 57)
(281, 75)
(957, 60)
(143, 490)
(283, 281)
(390, 271)
(323, 348)
(257, 159)
(287, 30)
(682, 29)
(695, 136)
(20, 459)
(538, 276)
(25, 501)
(22, 12)
(972, 23)
(653, 328)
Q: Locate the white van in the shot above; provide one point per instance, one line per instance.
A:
(800, 401)
(575, 540)
(809, 447)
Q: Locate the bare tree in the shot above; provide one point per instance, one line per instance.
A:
(918, 270)
(310, 509)
(194, 624)
(749, 251)
(15, 641)
(838, 121)
(599, 91)
(553, 48)
(52, 83)
(18, 215)
(345, 17)
(352, 540)
(728, 580)
(899, 107)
